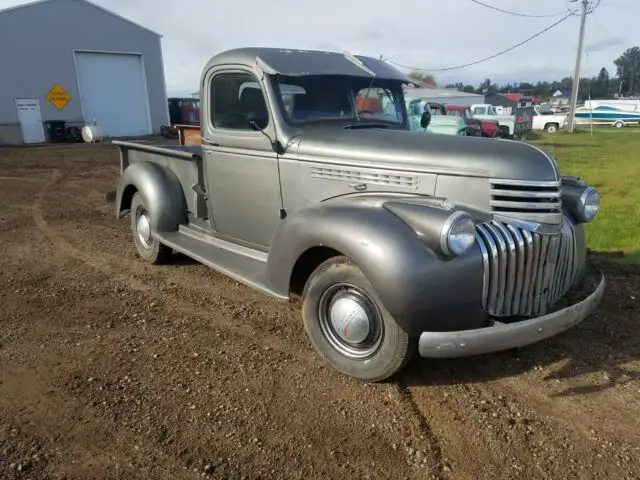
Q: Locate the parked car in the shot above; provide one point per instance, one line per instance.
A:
(547, 120)
(475, 126)
(395, 241)
(182, 111)
(438, 122)
(510, 126)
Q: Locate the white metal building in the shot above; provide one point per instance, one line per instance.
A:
(73, 60)
(449, 96)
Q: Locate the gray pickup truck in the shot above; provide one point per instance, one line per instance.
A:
(303, 186)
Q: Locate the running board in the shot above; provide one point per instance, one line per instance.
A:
(242, 264)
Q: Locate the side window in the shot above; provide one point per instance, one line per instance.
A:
(235, 99)
(378, 102)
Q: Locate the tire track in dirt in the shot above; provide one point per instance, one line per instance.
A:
(574, 416)
(109, 267)
(409, 401)
(122, 270)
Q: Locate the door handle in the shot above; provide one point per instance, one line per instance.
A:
(358, 186)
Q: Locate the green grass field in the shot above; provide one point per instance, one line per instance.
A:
(610, 161)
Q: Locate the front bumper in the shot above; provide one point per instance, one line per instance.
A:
(503, 336)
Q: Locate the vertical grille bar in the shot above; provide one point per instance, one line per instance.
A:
(525, 308)
(537, 293)
(510, 270)
(492, 248)
(524, 272)
(486, 274)
(563, 258)
(519, 267)
(502, 266)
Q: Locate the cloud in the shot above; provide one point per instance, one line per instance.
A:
(602, 45)
(429, 34)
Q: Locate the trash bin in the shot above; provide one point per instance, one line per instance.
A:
(55, 131)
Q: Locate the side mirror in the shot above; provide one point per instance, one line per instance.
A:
(256, 122)
(425, 120)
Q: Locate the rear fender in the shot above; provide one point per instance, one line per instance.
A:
(161, 191)
(420, 289)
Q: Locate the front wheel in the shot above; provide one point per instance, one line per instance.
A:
(148, 247)
(349, 326)
(551, 128)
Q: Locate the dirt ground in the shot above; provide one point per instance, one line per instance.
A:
(110, 368)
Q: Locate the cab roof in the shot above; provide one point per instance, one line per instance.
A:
(294, 62)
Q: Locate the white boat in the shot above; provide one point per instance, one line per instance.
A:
(609, 112)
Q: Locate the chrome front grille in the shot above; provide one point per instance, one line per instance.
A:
(527, 200)
(524, 272)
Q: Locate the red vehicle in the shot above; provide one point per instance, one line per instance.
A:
(182, 111)
(475, 127)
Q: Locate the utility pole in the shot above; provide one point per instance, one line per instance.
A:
(621, 82)
(576, 75)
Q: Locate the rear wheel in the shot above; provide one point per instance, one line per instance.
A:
(551, 128)
(349, 326)
(148, 247)
(618, 124)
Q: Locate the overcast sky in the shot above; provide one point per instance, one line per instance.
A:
(428, 34)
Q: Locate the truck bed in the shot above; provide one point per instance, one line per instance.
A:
(196, 239)
(172, 150)
(184, 161)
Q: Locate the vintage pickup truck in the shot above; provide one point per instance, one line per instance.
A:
(484, 128)
(511, 126)
(438, 122)
(395, 241)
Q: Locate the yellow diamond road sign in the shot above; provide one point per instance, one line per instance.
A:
(58, 97)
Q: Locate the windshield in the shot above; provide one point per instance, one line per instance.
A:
(308, 99)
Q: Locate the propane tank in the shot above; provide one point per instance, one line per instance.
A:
(91, 133)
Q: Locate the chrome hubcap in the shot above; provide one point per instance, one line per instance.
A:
(144, 229)
(350, 321)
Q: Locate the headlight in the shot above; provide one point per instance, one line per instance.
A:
(458, 234)
(444, 230)
(589, 204)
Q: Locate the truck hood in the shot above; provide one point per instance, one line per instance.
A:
(425, 152)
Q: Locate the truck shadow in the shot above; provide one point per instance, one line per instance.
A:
(596, 355)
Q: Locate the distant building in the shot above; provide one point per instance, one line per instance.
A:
(422, 82)
(448, 96)
(73, 61)
(560, 98)
(511, 101)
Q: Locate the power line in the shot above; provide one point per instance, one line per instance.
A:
(482, 59)
(509, 12)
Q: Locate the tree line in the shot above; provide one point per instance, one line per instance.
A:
(626, 81)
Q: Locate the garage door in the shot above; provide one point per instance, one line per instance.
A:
(113, 92)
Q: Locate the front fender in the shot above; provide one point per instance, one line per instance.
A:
(161, 191)
(422, 291)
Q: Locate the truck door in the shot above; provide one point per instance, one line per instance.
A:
(241, 167)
